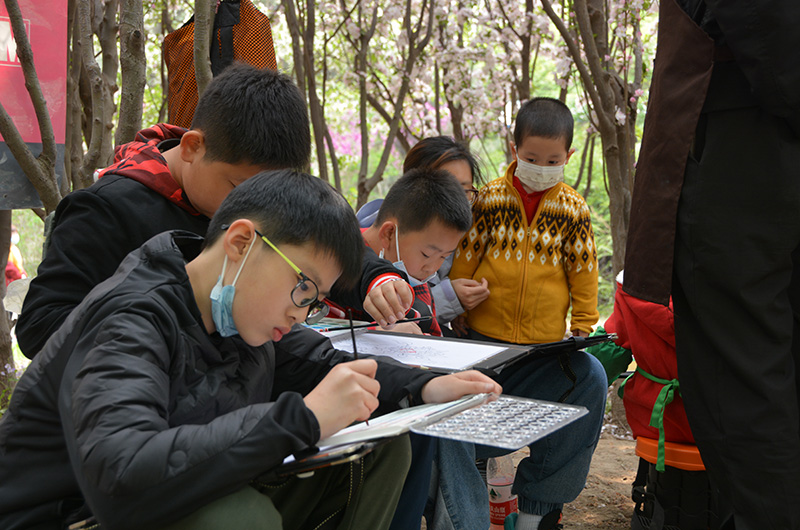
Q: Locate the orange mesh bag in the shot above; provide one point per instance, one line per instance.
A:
(241, 33)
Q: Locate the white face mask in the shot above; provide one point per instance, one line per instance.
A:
(538, 178)
(413, 282)
(15, 238)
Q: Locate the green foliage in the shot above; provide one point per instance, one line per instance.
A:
(31, 238)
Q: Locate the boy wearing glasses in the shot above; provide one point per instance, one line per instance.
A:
(172, 387)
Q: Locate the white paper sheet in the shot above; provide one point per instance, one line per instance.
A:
(417, 351)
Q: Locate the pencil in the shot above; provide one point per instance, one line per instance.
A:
(353, 336)
(372, 324)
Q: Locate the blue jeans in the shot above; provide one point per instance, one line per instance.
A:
(556, 470)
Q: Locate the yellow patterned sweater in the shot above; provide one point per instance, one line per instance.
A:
(533, 270)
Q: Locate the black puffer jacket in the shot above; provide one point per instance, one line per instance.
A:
(160, 418)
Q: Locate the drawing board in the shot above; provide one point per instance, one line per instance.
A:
(436, 353)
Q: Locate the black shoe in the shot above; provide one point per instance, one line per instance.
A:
(551, 521)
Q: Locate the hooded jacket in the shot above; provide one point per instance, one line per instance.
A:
(96, 227)
(153, 417)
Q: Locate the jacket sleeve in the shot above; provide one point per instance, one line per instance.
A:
(303, 358)
(764, 40)
(448, 306)
(473, 245)
(374, 271)
(127, 456)
(87, 244)
(580, 261)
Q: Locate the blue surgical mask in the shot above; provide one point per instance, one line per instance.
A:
(413, 282)
(222, 299)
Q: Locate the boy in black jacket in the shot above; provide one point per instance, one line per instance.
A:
(168, 390)
(168, 178)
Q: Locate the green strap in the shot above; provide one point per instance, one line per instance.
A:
(664, 398)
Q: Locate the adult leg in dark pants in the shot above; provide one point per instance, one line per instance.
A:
(737, 306)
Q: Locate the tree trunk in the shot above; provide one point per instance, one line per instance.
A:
(134, 66)
(107, 32)
(203, 26)
(95, 80)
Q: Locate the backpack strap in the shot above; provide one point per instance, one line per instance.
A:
(228, 15)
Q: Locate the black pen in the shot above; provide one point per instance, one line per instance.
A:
(353, 336)
(372, 324)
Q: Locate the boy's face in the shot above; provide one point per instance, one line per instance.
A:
(262, 308)
(208, 183)
(424, 251)
(543, 151)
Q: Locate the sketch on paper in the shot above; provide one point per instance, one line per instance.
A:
(418, 351)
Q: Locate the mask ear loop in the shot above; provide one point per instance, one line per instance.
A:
(243, 262)
(397, 241)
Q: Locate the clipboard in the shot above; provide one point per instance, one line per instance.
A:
(325, 457)
(508, 422)
(444, 355)
(447, 355)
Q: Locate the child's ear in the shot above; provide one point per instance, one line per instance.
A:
(513, 148)
(569, 154)
(238, 238)
(386, 232)
(192, 146)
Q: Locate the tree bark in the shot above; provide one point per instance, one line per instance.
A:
(203, 26)
(98, 93)
(107, 31)
(134, 66)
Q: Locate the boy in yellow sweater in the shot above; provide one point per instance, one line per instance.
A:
(532, 239)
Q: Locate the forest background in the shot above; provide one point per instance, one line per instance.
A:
(378, 76)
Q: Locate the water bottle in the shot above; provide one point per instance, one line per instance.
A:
(500, 473)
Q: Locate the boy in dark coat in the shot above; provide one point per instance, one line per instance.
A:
(169, 390)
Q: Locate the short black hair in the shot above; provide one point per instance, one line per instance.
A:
(290, 207)
(254, 116)
(545, 117)
(435, 151)
(422, 195)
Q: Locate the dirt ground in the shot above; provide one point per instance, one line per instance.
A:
(606, 500)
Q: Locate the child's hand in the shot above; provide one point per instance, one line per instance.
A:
(389, 302)
(459, 326)
(470, 292)
(453, 386)
(347, 394)
(579, 333)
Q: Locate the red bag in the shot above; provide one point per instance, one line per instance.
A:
(241, 33)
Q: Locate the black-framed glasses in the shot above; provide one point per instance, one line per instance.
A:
(306, 292)
(472, 195)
